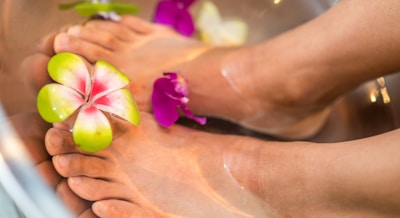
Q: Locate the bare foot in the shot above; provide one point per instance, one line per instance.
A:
(150, 171)
(140, 49)
(223, 81)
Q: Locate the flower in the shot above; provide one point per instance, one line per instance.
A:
(78, 91)
(170, 93)
(213, 29)
(174, 13)
(103, 9)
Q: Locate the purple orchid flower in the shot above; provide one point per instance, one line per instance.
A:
(175, 13)
(170, 93)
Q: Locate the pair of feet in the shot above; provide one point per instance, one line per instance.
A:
(147, 165)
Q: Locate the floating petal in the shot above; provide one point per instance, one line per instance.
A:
(169, 94)
(165, 13)
(67, 6)
(70, 70)
(89, 9)
(186, 3)
(120, 103)
(174, 13)
(165, 106)
(189, 114)
(214, 30)
(56, 102)
(92, 131)
(107, 78)
(180, 84)
(185, 26)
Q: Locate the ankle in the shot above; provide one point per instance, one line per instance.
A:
(211, 93)
(278, 174)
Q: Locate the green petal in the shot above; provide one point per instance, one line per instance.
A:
(56, 102)
(92, 131)
(70, 70)
(107, 78)
(67, 6)
(90, 9)
(214, 30)
(120, 103)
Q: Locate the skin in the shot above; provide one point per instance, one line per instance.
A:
(348, 179)
(150, 171)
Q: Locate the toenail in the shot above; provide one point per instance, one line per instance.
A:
(61, 161)
(75, 180)
(75, 30)
(61, 40)
(99, 208)
(55, 139)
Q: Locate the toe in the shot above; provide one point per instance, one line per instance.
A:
(93, 189)
(65, 42)
(82, 165)
(119, 31)
(88, 214)
(59, 141)
(74, 203)
(137, 24)
(118, 208)
(104, 39)
(45, 45)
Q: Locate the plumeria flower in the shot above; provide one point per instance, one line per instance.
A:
(103, 9)
(175, 13)
(169, 94)
(88, 96)
(213, 29)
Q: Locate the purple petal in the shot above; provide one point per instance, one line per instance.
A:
(165, 13)
(169, 93)
(179, 84)
(185, 24)
(189, 114)
(164, 107)
(174, 13)
(183, 3)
